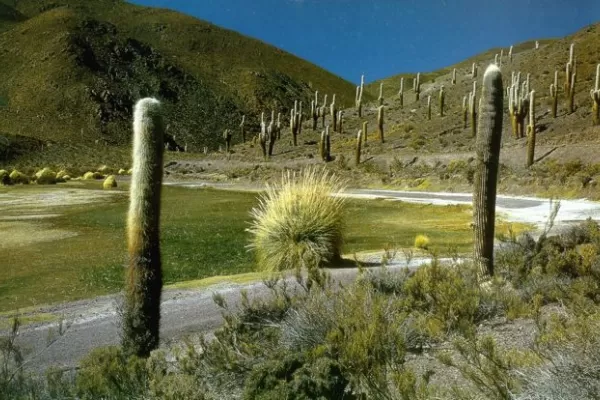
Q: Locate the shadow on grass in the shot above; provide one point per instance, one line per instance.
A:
(352, 263)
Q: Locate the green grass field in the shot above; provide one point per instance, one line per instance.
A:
(203, 235)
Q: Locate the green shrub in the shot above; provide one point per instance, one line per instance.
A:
(4, 177)
(17, 178)
(422, 242)
(298, 222)
(110, 182)
(45, 177)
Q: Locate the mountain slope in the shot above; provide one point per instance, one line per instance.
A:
(72, 70)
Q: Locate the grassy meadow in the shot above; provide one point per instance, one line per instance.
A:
(203, 236)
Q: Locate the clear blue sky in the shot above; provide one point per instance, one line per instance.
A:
(386, 37)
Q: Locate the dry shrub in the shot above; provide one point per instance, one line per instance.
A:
(110, 182)
(45, 177)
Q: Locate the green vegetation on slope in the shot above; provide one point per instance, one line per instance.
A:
(88, 62)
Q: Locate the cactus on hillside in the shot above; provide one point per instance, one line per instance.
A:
(418, 86)
(501, 57)
(323, 114)
(314, 112)
(572, 92)
(141, 311)
(465, 111)
(333, 112)
(454, 76)
(496, 60)
(358, 147)
(569, 70)
(554, 94)
(365, 131)
(487, 160)
(537, 45)
(359, 95)
(263, 136)
(474, 70)
(595, 95)
(227, 137)
(510, 54)
(429, 107)
(380, 98)
(473, 111)
(442, 98)
(518, 106)
(401, 93)
(380, 122)
(243, 129)
(295, 120)
(341, 121)
(278, 126)
(531, 130)
(272, 134)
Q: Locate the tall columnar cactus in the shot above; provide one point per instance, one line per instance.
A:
(442, 99)
(341, 121)
(322, 150)
(141, 312)
(272, 133)
(323, 114)
(227, 138)
(418, 87)
(359, 95)
(333, 112)
(401, 93)
(454, 76)
(496, 60)
(474, 70)
(380, 122)
(380, 98)
(314, 112)
(487, 158)
(595, 95)
(501, 57)
(537, 45)
(554, 94)
(531, 130)
(465, 111)
(278, 126)
(569, 70)
(358, 147)
(518, 106)
(296, 121)
(263, 137)
(428, 107)
(572, 92)
(365, 131)
(510, 54)
(243, 129)
(327, 144)
(473, 112)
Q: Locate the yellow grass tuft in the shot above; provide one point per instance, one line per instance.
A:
(110, 182)
(92, 175)
(298, 223)
(422, 242)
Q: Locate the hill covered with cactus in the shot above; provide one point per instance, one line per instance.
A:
(71, 71)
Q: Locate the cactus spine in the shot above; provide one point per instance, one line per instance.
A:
(531, 130)
(358, 147)
(141, 316)
(429, 107)
(554, 94)
(380, 116)
(486, 173)
(380, 98)
(401, 92)
(442, 98)
(359, 94)
(595, 95)
(242, 129)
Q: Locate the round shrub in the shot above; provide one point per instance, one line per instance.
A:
(299, 222)
(92, 175)
(422, 242)
(45, 177)
(17, 177)
(110, 182)
(4, 177)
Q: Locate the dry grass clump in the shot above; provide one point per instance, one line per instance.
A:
(110, 182)
(298, 222)
(92, 175)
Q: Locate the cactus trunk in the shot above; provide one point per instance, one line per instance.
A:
(358, 147)
(141, 315)
(380, 116)
(531, 131)
(365, 131)
(429, 107)
(486, 173)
